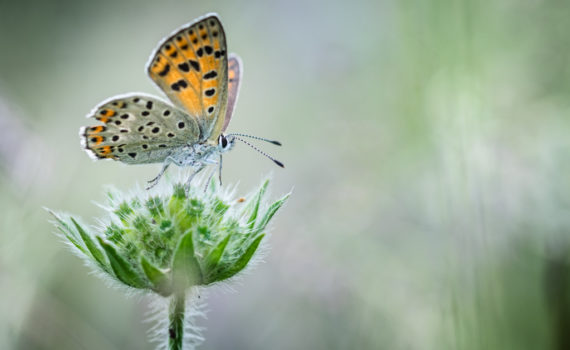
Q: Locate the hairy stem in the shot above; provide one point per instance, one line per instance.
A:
(176, 322)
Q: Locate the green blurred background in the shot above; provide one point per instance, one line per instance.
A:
(426, 142)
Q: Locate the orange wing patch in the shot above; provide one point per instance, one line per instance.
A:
(92, 140)
(191, 68)
(104, 152)
(91, 137)
(105, 115)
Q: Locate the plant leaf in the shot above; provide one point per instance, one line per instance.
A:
(123, 270)
(242, 261)
(160, 279)
(214, 257)
(91, 246)
(270, 212)
(68, 232)
(256, 200)
(185, 268)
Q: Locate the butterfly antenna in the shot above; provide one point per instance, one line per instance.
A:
(257, 138)
(258, 150)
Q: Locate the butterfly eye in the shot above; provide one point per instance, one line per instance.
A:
(223, 141)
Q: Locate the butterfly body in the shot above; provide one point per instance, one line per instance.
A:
(193, 69)
(197, 155)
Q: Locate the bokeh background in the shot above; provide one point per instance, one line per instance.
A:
(426, 142)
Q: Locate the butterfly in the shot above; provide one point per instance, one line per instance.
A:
(194, 70)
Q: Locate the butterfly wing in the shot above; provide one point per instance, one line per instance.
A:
(235, 71)
(137, 129)
(191, 67)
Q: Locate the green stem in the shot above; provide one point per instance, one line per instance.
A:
(176, 322)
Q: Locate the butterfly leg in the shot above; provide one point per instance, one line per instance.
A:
(154, 181)
(220, 171)
(209, 180)
(191, 177)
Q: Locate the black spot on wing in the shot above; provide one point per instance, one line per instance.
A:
(179, 85)
(211, 74)
(164, 71)
(210, 92)
(195, 65)
(184, 67)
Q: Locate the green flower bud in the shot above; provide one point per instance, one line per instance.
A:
(169, 242)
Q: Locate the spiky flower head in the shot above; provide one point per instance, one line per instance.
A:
(169, 240)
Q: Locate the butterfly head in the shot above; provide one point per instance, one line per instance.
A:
(225, 143)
